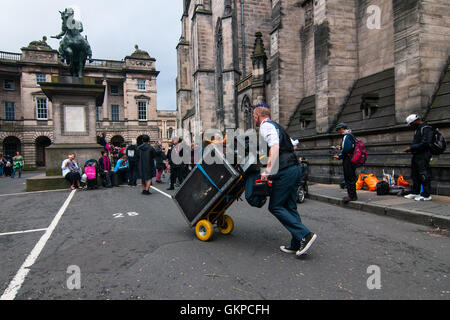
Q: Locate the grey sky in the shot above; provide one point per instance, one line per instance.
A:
(113, 29)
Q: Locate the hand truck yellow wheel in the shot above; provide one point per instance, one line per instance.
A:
(225, 225)
(204, 230)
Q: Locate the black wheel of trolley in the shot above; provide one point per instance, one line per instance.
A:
(225, 225)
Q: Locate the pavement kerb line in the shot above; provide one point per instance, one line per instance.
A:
(15, 285)
(22, 232)
(413, 216)
(162, 192)
(34, 192)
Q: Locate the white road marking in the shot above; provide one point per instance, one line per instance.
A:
(15, 285)
(22, 232)
(25, 193)
(167, 195)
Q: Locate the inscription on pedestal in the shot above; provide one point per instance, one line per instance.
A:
(74, 119)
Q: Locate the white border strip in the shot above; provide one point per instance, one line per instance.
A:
(166, 194)
(15, 285)
(34, 192)
(22, 232)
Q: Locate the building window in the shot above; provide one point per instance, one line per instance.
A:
(42, 109)
(9, 85)
(40, 78)
(306, 117)
(369, 104)
(114, 90)
(115, 113)
(142, 111)
(10, 114)
(141, 85)
(97, 113)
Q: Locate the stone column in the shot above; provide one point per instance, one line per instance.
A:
(336, 55)
(422, 43)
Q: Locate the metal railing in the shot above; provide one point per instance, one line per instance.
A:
(10, 56)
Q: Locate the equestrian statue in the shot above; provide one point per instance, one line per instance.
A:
(74, 49)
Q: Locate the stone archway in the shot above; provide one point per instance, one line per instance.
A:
(11, 145)
(41, 144)
(117, 141)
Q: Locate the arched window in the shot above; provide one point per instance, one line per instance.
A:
(10, 146)
(247, 112)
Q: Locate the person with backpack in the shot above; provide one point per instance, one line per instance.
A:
(132, 161)
(285, 172)
(420, 163)
(347, 149)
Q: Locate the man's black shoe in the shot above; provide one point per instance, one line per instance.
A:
(347, 199)
(146, 192)
(171, 188)
(306, 243)
(289, 250)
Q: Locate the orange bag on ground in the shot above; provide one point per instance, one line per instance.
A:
(360, 182)
(371, 181)
(402, 182)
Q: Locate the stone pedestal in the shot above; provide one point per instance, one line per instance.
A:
(74, 106)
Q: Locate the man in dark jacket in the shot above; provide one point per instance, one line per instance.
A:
(420, 165)
(146, 164)
(347, 148)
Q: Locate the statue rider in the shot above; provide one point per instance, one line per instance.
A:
(74, 48)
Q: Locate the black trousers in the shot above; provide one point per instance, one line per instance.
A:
(133, 174)
(73, 178)
(350, 177)
(174, 172)
(421, 174)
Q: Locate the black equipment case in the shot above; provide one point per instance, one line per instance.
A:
(205, 195)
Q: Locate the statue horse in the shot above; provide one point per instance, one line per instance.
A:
(74, 49)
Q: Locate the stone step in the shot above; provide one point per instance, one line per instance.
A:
(45, 183)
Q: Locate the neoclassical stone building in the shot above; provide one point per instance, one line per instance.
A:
(129, 109)
(369, 63)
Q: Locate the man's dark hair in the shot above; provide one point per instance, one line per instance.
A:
(146, 139)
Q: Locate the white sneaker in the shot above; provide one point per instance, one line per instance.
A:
(420, 198)
(412, 196)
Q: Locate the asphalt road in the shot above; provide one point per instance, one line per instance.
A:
(130, 246)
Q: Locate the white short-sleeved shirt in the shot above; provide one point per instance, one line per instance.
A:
(269, 133)
(65, 170)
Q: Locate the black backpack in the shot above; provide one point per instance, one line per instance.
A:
(438, 144)
(131, 152)
(382, 188)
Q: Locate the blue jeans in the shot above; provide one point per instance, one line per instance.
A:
(14, 172)
(283, 203)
